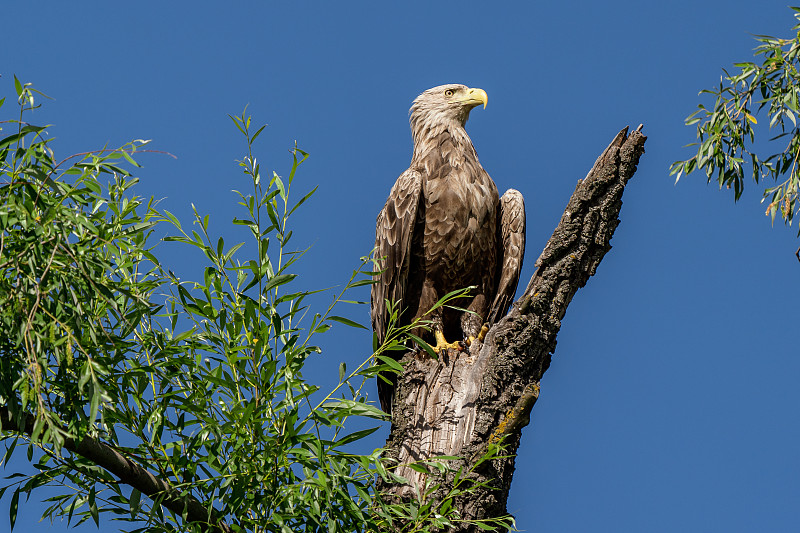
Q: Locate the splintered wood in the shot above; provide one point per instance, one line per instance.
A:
(464, 402)
(440, 410)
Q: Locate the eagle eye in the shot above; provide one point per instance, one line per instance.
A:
(449, 92)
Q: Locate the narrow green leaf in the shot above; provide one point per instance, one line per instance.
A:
(11, 139)
(362, 282)
(303, 200)
(93, 506)
(257, 133)
(129, 158)
(355, 436)
(95, 404)
(425, 346)
(172, 218)
(277, 281)
(392, 363)
(350, 407)
(14, 507)
(346, 321)
(418, 468)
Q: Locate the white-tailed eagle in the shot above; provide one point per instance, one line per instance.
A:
(444, 227)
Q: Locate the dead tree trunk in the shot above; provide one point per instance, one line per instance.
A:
(461, 403)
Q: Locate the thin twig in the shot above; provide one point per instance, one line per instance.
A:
(128, 151)
(128, 472)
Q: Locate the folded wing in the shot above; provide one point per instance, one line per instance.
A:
(511, 239)
(393, 238)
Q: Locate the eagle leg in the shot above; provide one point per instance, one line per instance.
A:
(480, 337)
(442, 344)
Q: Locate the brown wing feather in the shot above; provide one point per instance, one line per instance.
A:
(511, 244)
(393, 237)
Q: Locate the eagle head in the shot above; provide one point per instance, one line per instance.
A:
(445, 105)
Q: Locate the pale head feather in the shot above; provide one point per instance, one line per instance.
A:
(436, 110)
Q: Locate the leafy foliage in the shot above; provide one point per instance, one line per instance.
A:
(197, 382)
(72, 290)
(726, 132)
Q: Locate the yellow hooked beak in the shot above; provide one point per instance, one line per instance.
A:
(475, 97)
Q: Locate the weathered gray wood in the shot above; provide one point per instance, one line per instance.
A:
(462, 402)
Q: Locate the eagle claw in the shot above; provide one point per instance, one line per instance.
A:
(480, 337)
(442, 344)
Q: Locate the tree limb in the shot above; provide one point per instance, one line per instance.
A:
(461, 403)
(128, 472)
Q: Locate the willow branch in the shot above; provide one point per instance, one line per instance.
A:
(129, 472)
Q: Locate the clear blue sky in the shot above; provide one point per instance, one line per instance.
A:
(672, 400)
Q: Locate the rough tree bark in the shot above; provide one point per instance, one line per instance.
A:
(462, 402)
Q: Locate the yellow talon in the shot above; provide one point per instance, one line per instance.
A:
(442, 344)
(480, 337)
